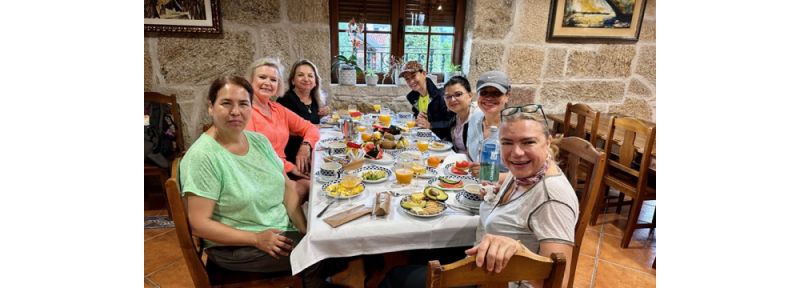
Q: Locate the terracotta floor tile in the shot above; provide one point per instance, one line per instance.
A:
(174, 275)
(615, 276)
(150, 233)
(584, 271)
(160, 251)
(637, 256)
(148, 283)
(590, 243)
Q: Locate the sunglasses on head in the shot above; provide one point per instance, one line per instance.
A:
(530, 108)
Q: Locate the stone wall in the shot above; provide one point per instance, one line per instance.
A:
(609, 77)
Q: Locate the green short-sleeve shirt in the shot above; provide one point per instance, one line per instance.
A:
(248, 189)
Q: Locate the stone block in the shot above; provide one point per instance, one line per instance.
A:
(492, 18)
(485, 57)
(148, 68)
(583, 91)
(532, 25)
(521, 95)
(555, 63)
(636, 87)
(199, 61)
(313, 44)
(274, 42)
(608, 61)
(525, 65)
(648, 32)
(646, 64)
(637, 108)
(308, 11)
(251, 12)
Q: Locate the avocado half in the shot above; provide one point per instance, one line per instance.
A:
(434, 193)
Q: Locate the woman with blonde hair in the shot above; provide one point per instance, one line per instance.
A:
(277, 122)
(303, 98)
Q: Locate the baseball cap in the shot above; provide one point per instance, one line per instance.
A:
(496, 79)
(411, 67)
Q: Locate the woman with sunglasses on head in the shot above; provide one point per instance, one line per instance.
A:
(535, 209)
(458, 97)
(493, 93)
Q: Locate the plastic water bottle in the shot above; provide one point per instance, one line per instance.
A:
(490, 157)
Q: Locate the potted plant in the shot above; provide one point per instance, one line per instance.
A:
(452, 70)
(348, 69)
(371, 78)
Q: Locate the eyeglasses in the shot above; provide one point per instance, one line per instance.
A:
(454, 96)
(530, 108)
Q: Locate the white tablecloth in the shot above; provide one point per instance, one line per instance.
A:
(370, 235)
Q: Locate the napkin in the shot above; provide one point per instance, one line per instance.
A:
(383, 202)
(348, 215)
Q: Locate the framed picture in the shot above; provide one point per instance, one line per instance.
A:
(618, 20)
(182, 16)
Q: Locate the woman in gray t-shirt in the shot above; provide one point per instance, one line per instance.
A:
(536, 209)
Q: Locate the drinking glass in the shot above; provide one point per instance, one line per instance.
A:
(422, 145)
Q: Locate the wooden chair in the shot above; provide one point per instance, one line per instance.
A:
(628, 175)
(577, 154)
(151, 169)
(582, 112)
(210, 275)
(523, 266)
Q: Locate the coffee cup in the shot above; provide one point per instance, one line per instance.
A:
(471, 195)
(336, 148)
(330, 171)
(424, 133)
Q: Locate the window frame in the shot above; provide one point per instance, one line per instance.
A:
(398, 34)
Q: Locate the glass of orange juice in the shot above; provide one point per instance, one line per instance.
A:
(385, 119)
(404, 175)
(366, 136)
(411, 124)
(362, 128)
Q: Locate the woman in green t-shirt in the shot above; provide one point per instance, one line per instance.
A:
(236, 189)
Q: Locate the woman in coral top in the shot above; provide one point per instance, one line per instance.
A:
(277, 123)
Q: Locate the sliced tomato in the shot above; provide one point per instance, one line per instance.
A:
(451, 186)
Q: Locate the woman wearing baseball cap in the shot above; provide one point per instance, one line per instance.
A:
(493, 92)
(427, 101)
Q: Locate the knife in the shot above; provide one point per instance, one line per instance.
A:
(325, 209)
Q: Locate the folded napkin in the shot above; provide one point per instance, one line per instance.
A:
(348, 215)
(383, 201)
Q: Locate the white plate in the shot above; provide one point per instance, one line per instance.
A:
(386, 160)
(430, 173)
(447, 170)
(447, 146)
(319, 178)
(364, 169)
(465, 179)
(364, 187)
(408, 211)
(324, 142)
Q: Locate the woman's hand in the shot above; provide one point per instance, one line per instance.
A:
(494, 251)
(303, 158)
(271, 242)
(298, 173)
(324, 110)
(422, 121)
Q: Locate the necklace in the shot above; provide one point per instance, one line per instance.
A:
(308, 107)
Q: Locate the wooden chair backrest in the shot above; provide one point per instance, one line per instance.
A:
(580, 154)
(175, 110)
(191, 254)
(582, 112)
(632, 129)
(523, 266)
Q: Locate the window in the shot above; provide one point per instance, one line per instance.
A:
(428, 31)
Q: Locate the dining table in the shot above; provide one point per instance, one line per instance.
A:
(370, 234)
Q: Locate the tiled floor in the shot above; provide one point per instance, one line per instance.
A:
(602, 263)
